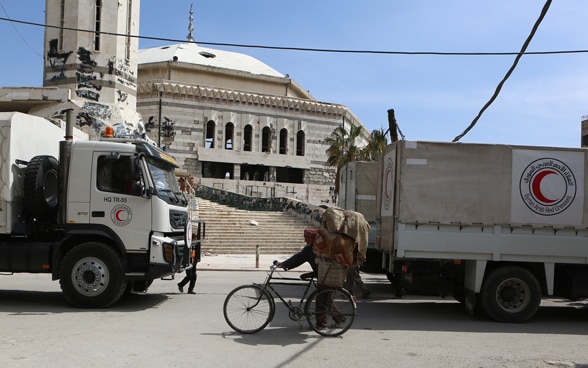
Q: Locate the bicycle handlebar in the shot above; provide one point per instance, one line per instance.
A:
(275, 266)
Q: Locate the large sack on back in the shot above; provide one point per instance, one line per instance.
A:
(336, 247)
(350, 223)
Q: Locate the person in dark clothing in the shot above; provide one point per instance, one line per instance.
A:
(191, 275)
(353, 278)
(306, 254)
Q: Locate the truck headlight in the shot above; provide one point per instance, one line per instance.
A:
(168, 252)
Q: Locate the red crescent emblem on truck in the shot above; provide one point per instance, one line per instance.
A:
(386, 183)
(118, 215)
(121, 215)
(388, 190)
(536, 186)
(547, 186)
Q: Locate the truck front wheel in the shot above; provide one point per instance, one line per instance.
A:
(91, 276)
(510, 294)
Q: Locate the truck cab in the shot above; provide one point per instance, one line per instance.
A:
(105, 218)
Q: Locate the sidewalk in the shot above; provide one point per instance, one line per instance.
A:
(243, 262)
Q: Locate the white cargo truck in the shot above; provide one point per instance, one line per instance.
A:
(103, 217)
(498, 226)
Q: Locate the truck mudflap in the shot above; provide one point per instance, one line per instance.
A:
(469, 301)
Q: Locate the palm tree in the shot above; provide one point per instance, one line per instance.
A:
(376, 145)
(342, 149)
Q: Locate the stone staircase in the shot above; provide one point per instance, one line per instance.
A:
(234, 231)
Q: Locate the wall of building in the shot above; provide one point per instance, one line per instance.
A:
(189, 110)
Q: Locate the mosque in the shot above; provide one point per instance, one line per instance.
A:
(231, 121)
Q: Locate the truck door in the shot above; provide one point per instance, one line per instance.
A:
(116, 199)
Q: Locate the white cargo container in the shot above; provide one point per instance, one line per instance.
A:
(496, 225)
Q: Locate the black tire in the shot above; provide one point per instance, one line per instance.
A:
(396, 282)
(41, 187)
(248, 309)
(510, 294)
(91, 275)
(330, 311)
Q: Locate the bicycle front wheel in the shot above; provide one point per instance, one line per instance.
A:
(248, 309)
(330, 311)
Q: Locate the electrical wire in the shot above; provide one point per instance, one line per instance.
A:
(509, 72)
(306, 49)
(17, 32)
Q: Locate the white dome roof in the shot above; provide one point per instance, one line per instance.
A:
(193, 54)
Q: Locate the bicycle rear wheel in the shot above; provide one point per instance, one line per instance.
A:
(248, 309)
(330, 311)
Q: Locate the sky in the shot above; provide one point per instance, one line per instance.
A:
(435, 98)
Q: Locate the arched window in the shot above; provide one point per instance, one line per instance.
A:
(247, 137)
(283, 141)
(266, 139)
(300, 138)
(229, 131)
(210, 134)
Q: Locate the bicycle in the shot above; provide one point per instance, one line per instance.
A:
(329, 310)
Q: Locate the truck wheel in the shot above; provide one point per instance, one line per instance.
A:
(41, 187)
(510, 294)
(91, 276)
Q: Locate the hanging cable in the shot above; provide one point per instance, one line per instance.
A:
(512, 68)
(17, 32)
(306, 49)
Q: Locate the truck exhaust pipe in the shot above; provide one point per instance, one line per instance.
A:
(64, 159)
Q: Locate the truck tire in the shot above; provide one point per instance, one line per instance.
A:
(91, 275)
(510, 294)
(41, 187)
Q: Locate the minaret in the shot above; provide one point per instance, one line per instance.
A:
(99, 68)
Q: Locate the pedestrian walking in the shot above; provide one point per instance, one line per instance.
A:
(191, 274)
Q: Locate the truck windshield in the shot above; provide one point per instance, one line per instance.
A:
(166, 185)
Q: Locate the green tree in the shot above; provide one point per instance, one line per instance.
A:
(376, 145)
(342, 149)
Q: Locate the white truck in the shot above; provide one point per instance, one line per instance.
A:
(498, 226)
(103, 217)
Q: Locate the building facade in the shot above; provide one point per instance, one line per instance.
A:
(237, 124)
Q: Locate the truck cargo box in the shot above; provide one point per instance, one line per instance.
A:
(449, 183)
(358, 182)
(21, 137)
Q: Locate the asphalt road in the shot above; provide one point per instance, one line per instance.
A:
(164, 328)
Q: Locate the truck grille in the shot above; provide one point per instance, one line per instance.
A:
(177, 219)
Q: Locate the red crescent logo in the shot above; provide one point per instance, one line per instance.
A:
(386, 183)
(117, 215)
(536, 186)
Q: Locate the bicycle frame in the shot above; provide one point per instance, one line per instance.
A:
(295, 310)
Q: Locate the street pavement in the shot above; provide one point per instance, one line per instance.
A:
(166, 328)
(243, 262)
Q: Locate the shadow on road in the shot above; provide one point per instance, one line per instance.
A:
(52, 302)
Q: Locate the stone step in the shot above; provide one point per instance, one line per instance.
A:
(234, 231)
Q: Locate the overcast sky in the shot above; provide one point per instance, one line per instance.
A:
(435, 97)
